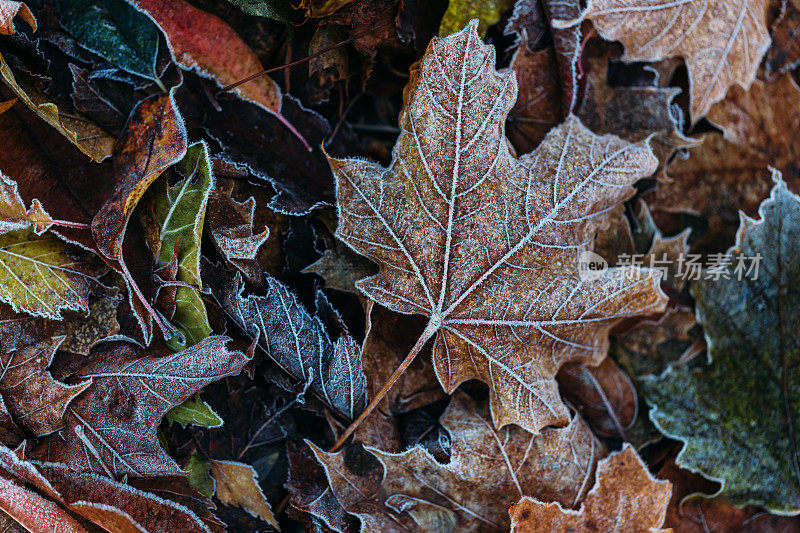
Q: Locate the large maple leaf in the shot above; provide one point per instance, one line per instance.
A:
(486, 244)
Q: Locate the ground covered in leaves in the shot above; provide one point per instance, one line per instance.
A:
(399, 265)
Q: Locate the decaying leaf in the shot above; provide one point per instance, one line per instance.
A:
(90, 139)
(486, 244)
(44, 276)
(784, 54)
(722, 41)
(633, 113)
(13, 213)
(300, 344)
(111, 505)
(114, 30)
(34, 513)
(625, 497)
(689, 512)
(80, 331)
(274, 9)
(547, 78)
(237, 484)
(154, 139)
(10, 9)
(738, 416)
(175, 216)
(111, 427)
(35, 400)
(604, 395)
(488, 471)
(231, 225)
(728, 174)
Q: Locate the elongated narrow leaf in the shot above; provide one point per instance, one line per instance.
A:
(299, 343)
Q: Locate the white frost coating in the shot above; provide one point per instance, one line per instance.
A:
(489, 242)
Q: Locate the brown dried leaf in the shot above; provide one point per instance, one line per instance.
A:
(111, 505)
(625, 497)
(689, 512)
(80, 332)
(10, 9)
(488, 471)
(35, 400)
(728, 174)
(34, 513)
(784, 54)
(237, 484)
(153, 139)
(722, 41)
(486, 244)
(13, 213)
(231, 225)
(604, 395)
(111, 428)
(633, 113)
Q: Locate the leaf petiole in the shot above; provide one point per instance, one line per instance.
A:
(430, 330)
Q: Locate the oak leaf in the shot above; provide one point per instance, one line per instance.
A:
(111, 427)
(738, 416)
(489, 470)
(13, 213)
(44, 276)
(35, 400)
(722, 41)
(10, 9)
(486, 244)
(625, 497)
(34, 513)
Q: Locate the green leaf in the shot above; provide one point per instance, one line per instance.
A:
(114, 30)
(460, 12)
(271, 9)
(200, 474)
(739, 416)
(42, 275)
(194, 411)
(178, 212)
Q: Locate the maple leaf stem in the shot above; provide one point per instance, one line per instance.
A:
(432, 327)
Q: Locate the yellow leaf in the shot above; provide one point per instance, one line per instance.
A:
(237, 484)
(89, 138)
(42, 275)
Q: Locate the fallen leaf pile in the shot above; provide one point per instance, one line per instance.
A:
(399, 265)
